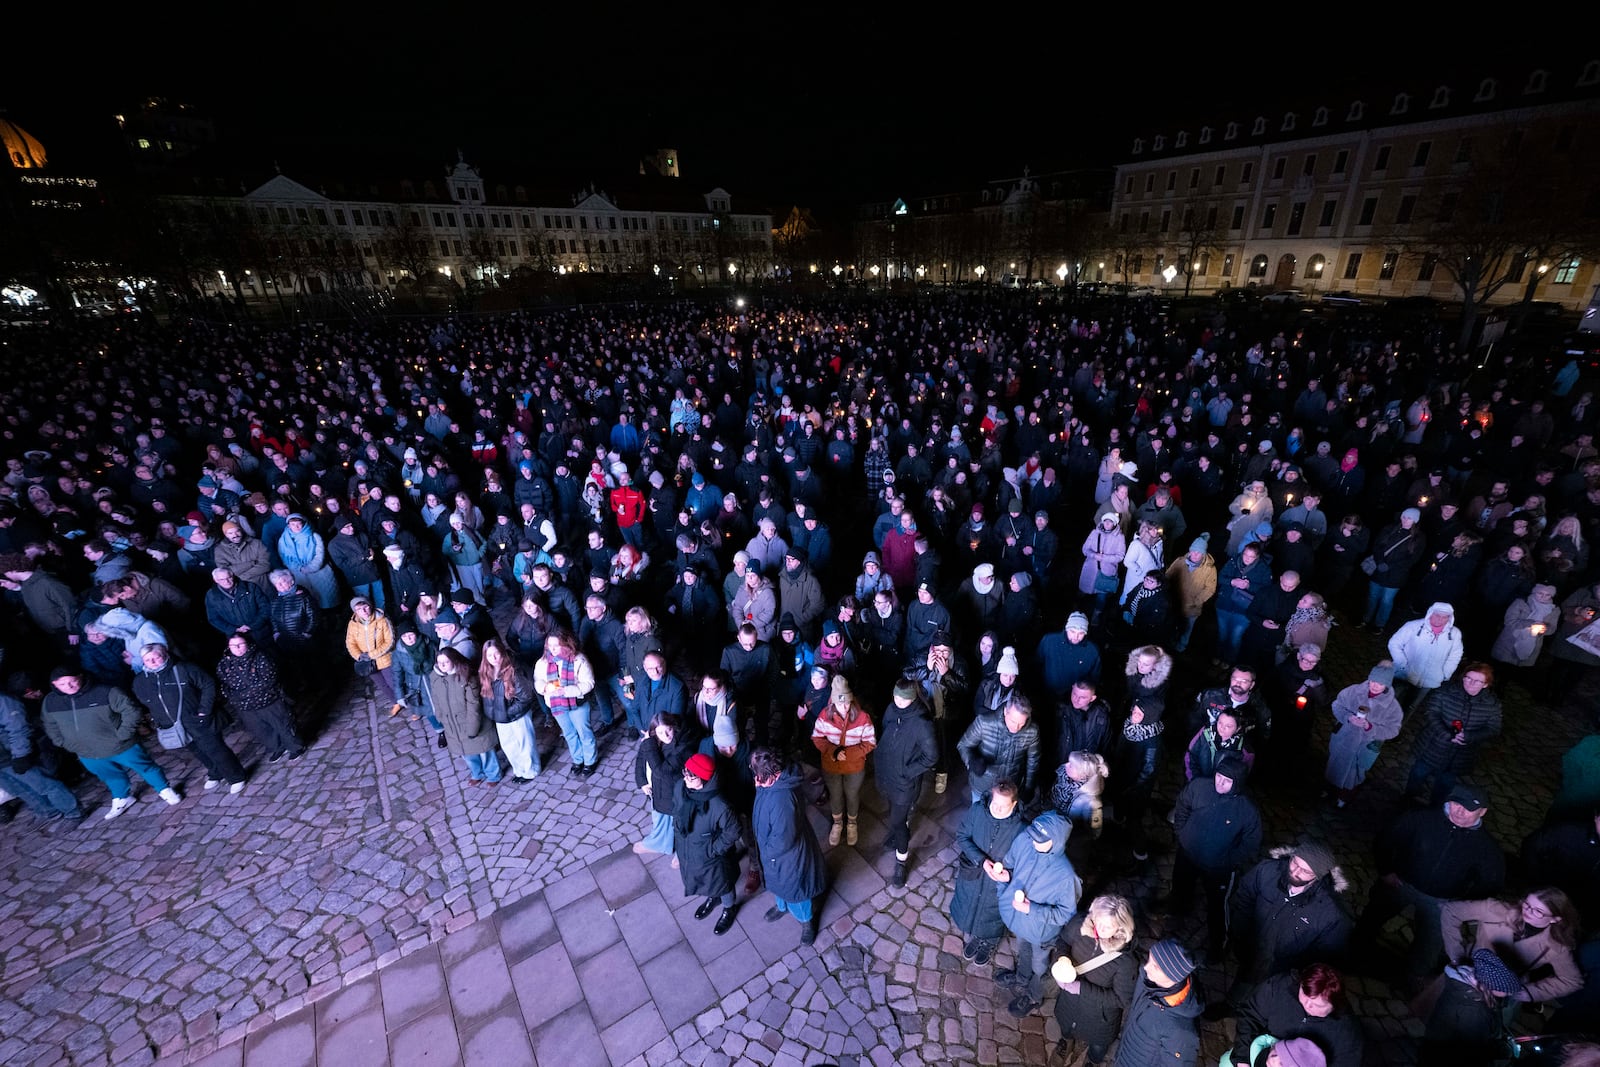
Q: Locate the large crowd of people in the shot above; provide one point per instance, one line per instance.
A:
(1044, 557)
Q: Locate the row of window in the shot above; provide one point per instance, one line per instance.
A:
(1565, 273)
(1404, 213)
(495, 220)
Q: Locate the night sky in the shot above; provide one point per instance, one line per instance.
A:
(806, 109)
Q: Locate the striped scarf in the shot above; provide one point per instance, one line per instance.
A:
(559, 674)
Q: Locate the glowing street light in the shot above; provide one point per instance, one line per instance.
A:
(1061, 272)
(837, 270)
(979, 271)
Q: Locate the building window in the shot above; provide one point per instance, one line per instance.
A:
(1194, 178)
(444, 248)
(1245, 172)
(569, 222)
(1386, 268)
(1408, 205)
(1297, 215)
(438, 220)
(1357, 111)
(1352, 265)
(1231, 132)
(1137, 263)
(1277, 168)
(1309, 167)
(1238, 219)
(1122, 226)
(1486, 90)
(458, 247)
(1369, 208)
(1464, 150)
(1128, 189)
(550, 245)
(1421, 157)
(1441, 97)
(1316, 265)
(1536, 82)
(1328, 208)
(1402, 104)
(1268, 216)
(283, 216)
(480, 222)
(1425, 269)
(1222, 172)
(1149, 183)
(547, 222)
(613, 222)
(1211, 217)
(585, 246)
(338, 216)
(583, 222)
(1447, 208)
(1320, 117)
(1381, 163)
(1227, 265)
(1566, 272)
(1144, 221)
(1205, 264)
(1166, 221)
(1258, 267)
(1341, 161)
(1172, 180)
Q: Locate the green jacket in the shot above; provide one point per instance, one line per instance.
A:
(97, 722)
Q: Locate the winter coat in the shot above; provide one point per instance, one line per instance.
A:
(791, 858)
(1425, 658)
(1396, 551)
(851, 732)
(1195, 586)
(1254, 715)
(991, 752)
(652, 698)
(49, 602)
(1517, 644)
(1218, 832)
(459, 708)
(249, 681)
(1274, 1008)
(1094, 1013)
(1149, 693)
(759, 607)
(1062, 663)
(373, 639)
(499, 708)
(179, 691)
(1047, 879)
(974, 907)
(1352, 750)
(1577, 611)
(97, 722)
(1232, 599)
(1160, 1026)
(249, 561)
(1274, 930)
(304, 556)
(801, 596)
(907, 749)
(1205, 749)
(1103, 550)
(294, 616)
(1139, 560)
(245, 605)
(705, 839)
(1088, 730)
(1439, 858)
(1548, 969)
(1479, 717)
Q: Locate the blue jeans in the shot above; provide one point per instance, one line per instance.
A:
(373, 591)
(1443, 781)
(42, 793)
(800, 909)
(113, 770)
(484, 767)
(1184, 631)
(574, 723)
(1380, 602)
(1231, 627)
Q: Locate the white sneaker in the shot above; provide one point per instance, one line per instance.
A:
(170, 795)
(118, 806)
(212, 783)
(236, 787)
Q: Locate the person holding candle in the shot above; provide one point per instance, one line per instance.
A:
(1457, 719)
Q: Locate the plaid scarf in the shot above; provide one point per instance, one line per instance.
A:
(561, 673)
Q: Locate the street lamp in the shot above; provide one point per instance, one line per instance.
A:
(837, 270)
(1061, 272)
(979, 271)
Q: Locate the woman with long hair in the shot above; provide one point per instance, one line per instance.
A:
(457, 703)
(509, 704)
(1534, 936)
(564, 678)
(1092, 999)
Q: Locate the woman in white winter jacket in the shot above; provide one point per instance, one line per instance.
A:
(1426, 651)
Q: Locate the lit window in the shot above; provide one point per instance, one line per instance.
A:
(1567, 272)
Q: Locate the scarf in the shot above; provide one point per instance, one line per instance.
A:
(1302, 616)
(563, 673)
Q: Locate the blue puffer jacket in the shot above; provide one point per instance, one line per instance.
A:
(1047, 878)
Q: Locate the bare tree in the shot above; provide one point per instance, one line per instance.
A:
(405, 243)
(1199, 237)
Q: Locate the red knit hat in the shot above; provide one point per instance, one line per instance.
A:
(700, 766)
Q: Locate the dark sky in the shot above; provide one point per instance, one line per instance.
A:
(789, 107)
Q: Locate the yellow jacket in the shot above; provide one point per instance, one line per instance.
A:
(375, 637)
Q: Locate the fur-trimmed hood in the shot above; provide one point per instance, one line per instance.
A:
(1336, 877)
(1158, 675)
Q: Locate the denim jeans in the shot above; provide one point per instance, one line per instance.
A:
(1231, 627)
(42, 793)
(800, 909)
(1443, 782)
(574, 723)
(484, 767)
(113, 770)
(1183, 632)
(373, 591)
(1380, 602)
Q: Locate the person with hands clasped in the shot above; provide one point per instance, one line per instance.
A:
(991, 824)
(845, 736)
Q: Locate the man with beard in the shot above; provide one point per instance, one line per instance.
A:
(1288, 911)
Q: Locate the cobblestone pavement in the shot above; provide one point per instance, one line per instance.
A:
(363, 905)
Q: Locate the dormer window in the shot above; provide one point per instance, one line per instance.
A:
(1357, 111)
(1159, 143)
(1486, 90)
(1536, 82)
(1590, 75)
(1205, 135)
(1260, 126)
(1231, 132)
(1138, 149)
(1402, 104)
(1320, 117)
(1441, 97)
(1288, 123)
(1183, 139)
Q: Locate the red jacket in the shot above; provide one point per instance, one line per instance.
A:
(627, 504)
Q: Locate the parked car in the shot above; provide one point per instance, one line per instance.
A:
(1285, 296)
(1342, 298)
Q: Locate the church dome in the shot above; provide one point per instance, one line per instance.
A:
(23, 150)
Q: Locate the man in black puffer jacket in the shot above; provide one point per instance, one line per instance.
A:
(1160, 1025)
(184, 696)
(906, 752)
(1288, 912)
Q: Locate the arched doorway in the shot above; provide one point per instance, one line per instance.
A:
(1285, 276)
